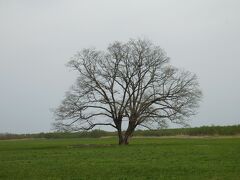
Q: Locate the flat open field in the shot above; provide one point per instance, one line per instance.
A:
(144, 158)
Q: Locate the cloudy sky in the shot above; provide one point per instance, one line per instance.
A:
(37, 38)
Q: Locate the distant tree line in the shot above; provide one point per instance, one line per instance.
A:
(198, 131)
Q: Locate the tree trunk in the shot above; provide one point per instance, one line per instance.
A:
(120, 138)
(124, 139)
(129, 132)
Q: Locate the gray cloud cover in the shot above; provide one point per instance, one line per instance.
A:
(37, 38)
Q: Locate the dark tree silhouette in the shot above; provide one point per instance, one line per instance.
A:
(131, 82)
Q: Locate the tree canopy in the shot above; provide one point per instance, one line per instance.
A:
(131, 82)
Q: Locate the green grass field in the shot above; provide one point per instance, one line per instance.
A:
(147, 158)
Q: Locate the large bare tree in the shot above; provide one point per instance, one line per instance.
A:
(131, 82)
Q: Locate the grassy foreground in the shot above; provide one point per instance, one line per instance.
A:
(147, 158)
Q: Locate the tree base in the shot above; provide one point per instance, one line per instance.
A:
(123, 141)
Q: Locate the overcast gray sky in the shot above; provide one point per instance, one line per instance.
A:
(37, 38)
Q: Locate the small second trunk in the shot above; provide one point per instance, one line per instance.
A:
(129, 132)
(125, 140)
